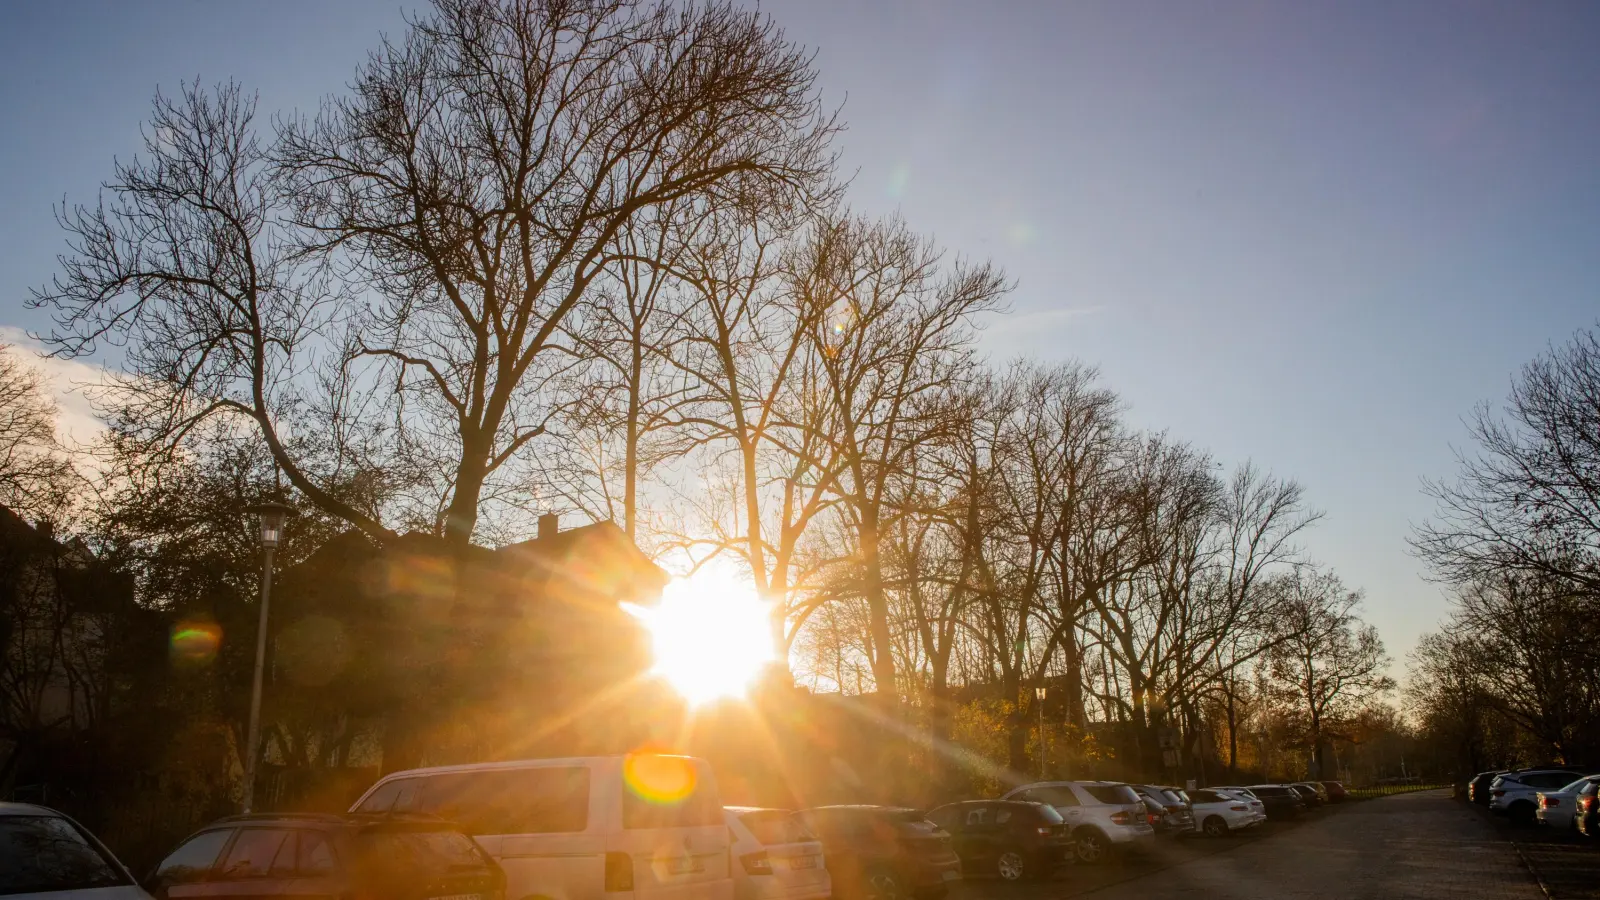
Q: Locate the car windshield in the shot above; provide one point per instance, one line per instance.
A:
(41, 854)
(776, 826)
(1115, 794)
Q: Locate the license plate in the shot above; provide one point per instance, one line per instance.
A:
(685, 866)
(951, 875)
(803, 862)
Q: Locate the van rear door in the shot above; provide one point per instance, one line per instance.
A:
(673, 829)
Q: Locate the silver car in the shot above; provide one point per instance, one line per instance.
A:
(1556, 807)
(1516, 794)
(1104, 815)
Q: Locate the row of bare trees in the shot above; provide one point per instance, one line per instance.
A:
(593, 256)
(1514, 674)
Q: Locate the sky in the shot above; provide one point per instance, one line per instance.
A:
(1309, 234)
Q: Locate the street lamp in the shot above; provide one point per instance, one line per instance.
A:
(1038, 694)
(273, 515)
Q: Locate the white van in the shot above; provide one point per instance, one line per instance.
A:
(648, 827)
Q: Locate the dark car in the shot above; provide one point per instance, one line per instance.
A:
(879, 852)
(44, 852)
(1281, 801)
(300, 856)
(1336, 791)
(1319, 795)
(1586, 810)
(1478, 787)
(1308, 794)
(1173, 814)
(1012, 839)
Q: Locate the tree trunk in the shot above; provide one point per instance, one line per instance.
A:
(883, 668)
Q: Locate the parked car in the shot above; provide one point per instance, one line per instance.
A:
(1586, 809)
(777, 857)
(1249, 799)
(648, 823)
(1173, 815)
(1319, 789)
(1104, 816)
(267, 856)
(1008, 838)
(1516, 793)
(1281, 801)
(1478, 787)
(46, 854)
(1336, 791)
(1307, 793)
(1556, 807)
(884, 852)
(1218, 813)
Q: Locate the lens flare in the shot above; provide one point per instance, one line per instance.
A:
(659, 779)
(195, 643)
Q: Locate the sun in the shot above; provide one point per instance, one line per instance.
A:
(709, 635)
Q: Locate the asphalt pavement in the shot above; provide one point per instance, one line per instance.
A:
(1422, 845)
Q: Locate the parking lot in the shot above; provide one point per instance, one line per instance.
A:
(1420, 845)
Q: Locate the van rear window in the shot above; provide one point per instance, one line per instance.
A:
(550, 800)
(668, 792)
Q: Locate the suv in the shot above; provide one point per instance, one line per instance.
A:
(296, 856)
(1102, 815)
(1012, 840)
(1516, 793)
(1478, 787)
(883, 851)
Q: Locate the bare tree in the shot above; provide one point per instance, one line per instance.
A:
(1331, 664)
(35, 474)
(1529, 500)
(446, 217)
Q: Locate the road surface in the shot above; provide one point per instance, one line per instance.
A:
(1421, 845)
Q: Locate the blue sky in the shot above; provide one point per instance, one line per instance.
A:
(1311, 234)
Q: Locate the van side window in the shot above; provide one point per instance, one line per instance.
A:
(399, 795)
(552, 800)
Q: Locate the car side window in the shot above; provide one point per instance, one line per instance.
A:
(1002, 815)
(193, 859)
(304, 853)
(1062, 796)
(977, 818)
(253, 853)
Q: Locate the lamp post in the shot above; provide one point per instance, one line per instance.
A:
(1038, 694)
(273, 515)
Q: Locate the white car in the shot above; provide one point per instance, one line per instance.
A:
(46, 856)
(1556, 807)
(1516, 794)
(1216, 812)
(648, 825)
(1103, 815)
(776, 856)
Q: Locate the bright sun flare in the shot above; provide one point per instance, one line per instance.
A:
(709, 635)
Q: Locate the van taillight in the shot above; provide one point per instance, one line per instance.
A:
(619, 872)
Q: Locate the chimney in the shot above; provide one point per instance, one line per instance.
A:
(549, 524)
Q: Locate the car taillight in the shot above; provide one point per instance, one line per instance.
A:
(1121, 818)
(1044, 831)
(1498, 793)
(1548, 802)
(1240, 808)
(756, 863)
(619, 872)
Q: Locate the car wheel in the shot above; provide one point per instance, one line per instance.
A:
(1214, 826)
(881, 884)
(1093, 847)
(1011, 866)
